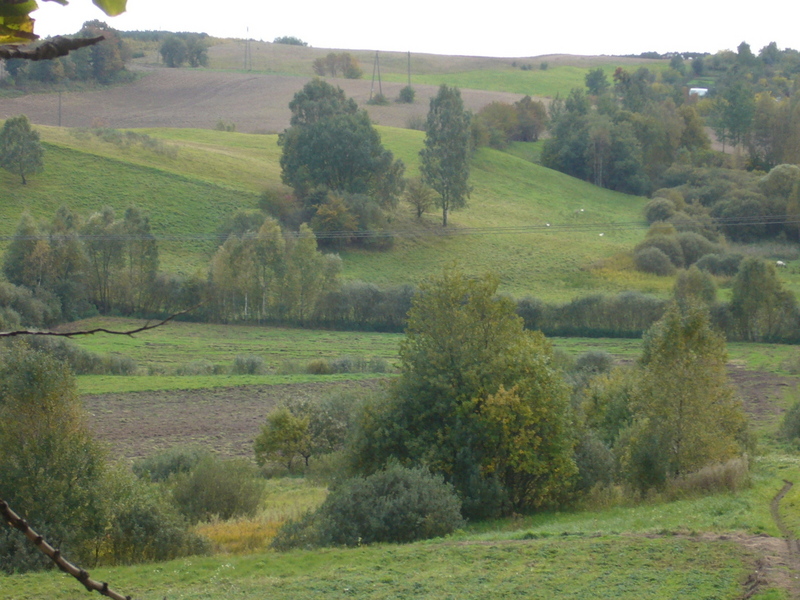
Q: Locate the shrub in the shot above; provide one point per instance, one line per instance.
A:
(720, 264)
(731, 476)
(695, 246)
(248, 364)
(790, 426)
(225, 126)
(196, 367)
(595, 361)
(162, 466)
(116, 364)
(668, 244)
(377, 99)
(395, 505)
(653, 260)
(596, 463)
(319, 366)
(217, 488)
(658, 209)
(144, 525)
(407, 95)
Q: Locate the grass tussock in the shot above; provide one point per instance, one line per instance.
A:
(731, 476)
(240, 536)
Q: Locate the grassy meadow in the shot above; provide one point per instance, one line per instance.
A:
(215, 173)
(544, 76)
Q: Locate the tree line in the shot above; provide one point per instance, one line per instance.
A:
(71, 267)
(627, 132)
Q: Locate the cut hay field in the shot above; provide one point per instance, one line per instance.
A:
(189, 196)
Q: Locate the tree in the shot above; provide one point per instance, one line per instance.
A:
(446, 155)
(105, 253)
(20, 149)
(531, 119)
(174, 51)
(686, 415)
(319, 100)
(331, 144)
(597, 82)
(474, 386)
(290, 40)
(50, 467)
(762, 309)
(197, 51)
(419, 196)
(283, 437)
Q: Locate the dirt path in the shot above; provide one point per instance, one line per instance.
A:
(785, 571)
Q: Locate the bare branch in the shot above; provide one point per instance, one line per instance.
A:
(69, 334)
(14, 520)
(58, 46)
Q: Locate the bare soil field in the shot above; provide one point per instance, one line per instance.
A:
(190, 98)
(224, 420)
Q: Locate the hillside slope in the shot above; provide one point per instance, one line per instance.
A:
(215, 173)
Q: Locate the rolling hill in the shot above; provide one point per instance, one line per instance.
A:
(214, 173)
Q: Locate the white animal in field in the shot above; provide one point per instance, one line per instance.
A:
(780, 264)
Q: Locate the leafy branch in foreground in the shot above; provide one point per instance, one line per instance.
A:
(14, 520)
(16, 27)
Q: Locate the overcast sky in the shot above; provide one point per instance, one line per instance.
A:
(513, 29)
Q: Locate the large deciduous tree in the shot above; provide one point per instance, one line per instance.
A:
(686, 415)
(478, 401)
(446, 155)
(20, 149)
(332, 144)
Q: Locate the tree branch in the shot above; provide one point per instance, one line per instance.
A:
(58, 46)
(14, 520)
(68, 334)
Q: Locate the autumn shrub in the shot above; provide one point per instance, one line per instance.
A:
(407, 95)
(397, 504)
(218, 488)
(654, 261)
(175, 460)
(726, 264)
(319, 366)
(248, 364)
(668, 244)
(196, 367)
(790, 426)
(144, 525)
(730, 476)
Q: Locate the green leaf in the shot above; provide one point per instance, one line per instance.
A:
(111, 7)
(17, 9)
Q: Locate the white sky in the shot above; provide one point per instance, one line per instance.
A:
(513, 29)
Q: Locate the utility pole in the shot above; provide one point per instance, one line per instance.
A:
(59, 109)
(248, 59)
(376, 68)
(409, 68)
